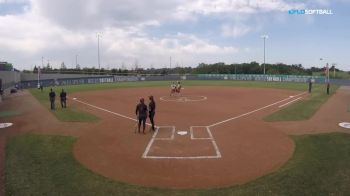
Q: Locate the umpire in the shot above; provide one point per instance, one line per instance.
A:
(63, 97)
(152, 110)
(141, 113)
(52, 96)
(310, 85)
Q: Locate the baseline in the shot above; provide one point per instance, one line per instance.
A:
(251, 112)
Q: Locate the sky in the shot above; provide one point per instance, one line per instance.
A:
(157, 33)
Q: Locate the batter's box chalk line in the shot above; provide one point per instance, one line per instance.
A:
(183, 98)
(172, 137)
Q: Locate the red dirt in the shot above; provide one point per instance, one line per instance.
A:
(333, 112)
(249, 147)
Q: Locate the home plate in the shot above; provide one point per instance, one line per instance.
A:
(182, 132)
(345, 125)
(4, 125)
(74, 98)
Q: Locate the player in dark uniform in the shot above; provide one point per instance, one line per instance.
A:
(310, 85)
(152, 110)
(141, 113)
(52, 96)
(328, 86)
(63, 97)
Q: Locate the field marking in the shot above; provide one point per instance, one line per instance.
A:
(169, 138)
(218, 153)
(114, 113)
(154, 137)
(200, 138)
(289, 102)
(251, 112)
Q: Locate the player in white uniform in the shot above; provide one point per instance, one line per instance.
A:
(173, 88)
(178, 87)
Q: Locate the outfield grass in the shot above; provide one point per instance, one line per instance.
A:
(256, 84)
(305, 109)
(44, 165)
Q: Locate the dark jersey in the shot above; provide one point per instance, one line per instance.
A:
(141, 110)
(152, 107)
(52, 95)
(63, 95)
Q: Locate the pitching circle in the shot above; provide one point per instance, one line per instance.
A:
(184, 98)
(345, 125)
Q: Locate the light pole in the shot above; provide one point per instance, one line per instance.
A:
(334, 64)
(326, 71)
(42, 66)
(235, 70)
(170, 62)
(264, 37)
(76, 61)
(98, 51)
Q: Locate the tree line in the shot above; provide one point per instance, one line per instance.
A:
(202, 68)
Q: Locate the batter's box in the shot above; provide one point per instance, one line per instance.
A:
(181, 148)
(165, 133)
(163, 144)
(200, 133)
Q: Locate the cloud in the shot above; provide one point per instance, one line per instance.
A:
(25, 38)
(58, 30)
(235, 30)
(208, 7)
(13, 1)
(93, 14)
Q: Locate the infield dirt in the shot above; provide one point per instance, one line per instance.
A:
(249, 146)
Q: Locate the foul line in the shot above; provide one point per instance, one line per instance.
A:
(290, 102)
(114, 113)
(248, 113)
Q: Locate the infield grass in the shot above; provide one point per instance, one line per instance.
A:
(44, 165)
(305, 109)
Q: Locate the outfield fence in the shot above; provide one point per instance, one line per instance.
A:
(29, 81)
(8, 80)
